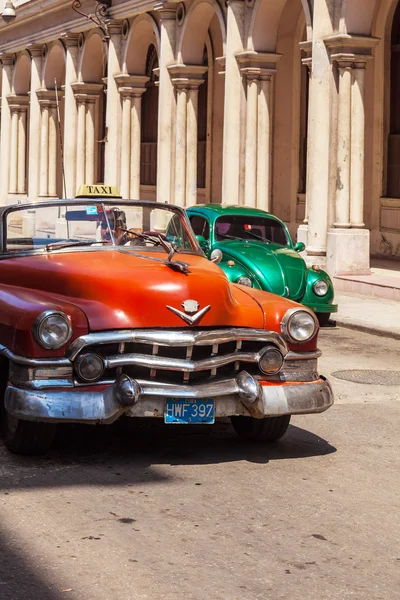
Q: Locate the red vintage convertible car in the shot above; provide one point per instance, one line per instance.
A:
(109, 308)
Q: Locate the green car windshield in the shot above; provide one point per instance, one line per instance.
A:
(246, 227)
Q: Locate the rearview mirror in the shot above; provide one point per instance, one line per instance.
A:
(299, 247)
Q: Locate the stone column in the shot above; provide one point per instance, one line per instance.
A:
(113, 108)
(357, 147)
(234, 97)
(348, 241)
(131, 89)
(166, 103)
(81, 143)
(44, 152)
(13, 152)
(302, 230)
(53, 151)
(48, 142)
(342, 208)
(22, 123)
(258, 68)
(36, 51)
(180, 146)
(70, 113)
(126, 143)
(187, 80)
(19, 110)
(5, 128)
(90, 157)
(87, 98)
(191, 145)
(250, 184)
(264, 144)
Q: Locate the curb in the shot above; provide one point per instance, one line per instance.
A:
(368, 329)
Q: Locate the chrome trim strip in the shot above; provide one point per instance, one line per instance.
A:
(177, 364)
(314, 355)
(102, 407)
(34, 362)
(176, 338)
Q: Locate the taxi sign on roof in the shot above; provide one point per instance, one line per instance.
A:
(98, 190)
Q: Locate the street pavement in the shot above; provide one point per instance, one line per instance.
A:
(147, 512)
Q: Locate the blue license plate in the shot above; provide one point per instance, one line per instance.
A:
(189, 411)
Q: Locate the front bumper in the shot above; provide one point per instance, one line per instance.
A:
(243, 395)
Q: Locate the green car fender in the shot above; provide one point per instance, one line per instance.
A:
(320, 304)
(233, 272)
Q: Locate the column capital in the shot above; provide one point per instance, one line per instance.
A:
(20, 102)
(7, 59)
(131, 85)
(306, 48)
(166, 10)
(351, 48)
(84, 92)
(36, 50)
(264, 62)
(70, 40)
(115, 26)
(221, 62)
(187, 76)
(48, 97)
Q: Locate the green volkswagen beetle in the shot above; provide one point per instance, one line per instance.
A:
(255, 249)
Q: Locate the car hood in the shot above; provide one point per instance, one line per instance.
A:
(117, 290)
(279, 270)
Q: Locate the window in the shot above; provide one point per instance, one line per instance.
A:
(244, 227)
(200, 226)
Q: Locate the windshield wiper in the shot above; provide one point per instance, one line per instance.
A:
(258, 237)
(230, 237)
(59, 245)
(158, 240)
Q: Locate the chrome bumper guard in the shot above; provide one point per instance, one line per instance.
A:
(243, 395)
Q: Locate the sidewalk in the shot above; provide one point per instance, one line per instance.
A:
(371, 315)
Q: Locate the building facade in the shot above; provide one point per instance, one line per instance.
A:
(292, 106)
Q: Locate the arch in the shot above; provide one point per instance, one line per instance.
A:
(142, 35)
(357, 16)
(93, 64)
(54, 66)
(264, 24)
(22, 74)
(202, 16)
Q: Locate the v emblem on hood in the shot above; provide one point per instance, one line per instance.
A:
(190, 319)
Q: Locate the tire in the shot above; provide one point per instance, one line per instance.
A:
(323, 319)
(25, 437)
(269, 429)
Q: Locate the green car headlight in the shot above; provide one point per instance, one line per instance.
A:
(245, 281)
(299, 325)
(320, 288)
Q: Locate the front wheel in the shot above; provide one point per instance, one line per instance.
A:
(269, 429)
(26, 437)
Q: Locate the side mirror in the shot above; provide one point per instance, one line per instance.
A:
(216, 256)
(299, 247)
(202, 242)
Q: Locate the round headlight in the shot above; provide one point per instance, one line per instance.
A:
(320, 288)
(299, 325)
(270, 361)
(89, 367)
(245, 281)
(52, 329)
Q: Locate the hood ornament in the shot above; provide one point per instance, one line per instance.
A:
(192, 313)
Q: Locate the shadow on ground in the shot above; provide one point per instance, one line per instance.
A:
(129, 452)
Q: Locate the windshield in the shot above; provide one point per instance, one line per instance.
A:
(246, 227)
(96, 223)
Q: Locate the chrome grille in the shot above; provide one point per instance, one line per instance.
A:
(178, 356)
